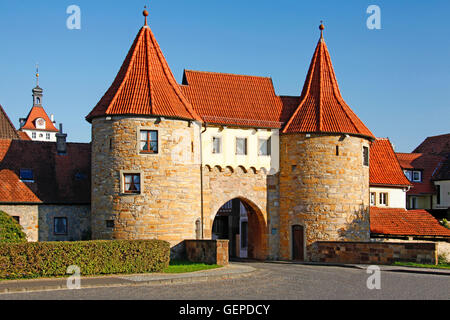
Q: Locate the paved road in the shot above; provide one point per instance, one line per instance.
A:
(273, 281)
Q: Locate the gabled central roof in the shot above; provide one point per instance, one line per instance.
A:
(230, 99)
(322, 108)
(145, 85)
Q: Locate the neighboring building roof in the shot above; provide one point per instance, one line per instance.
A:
(7, 129)
(58, 179)
(437, 145)
(231, 99)
(384, 167)
(322, 108)
(443, 172)
(24, 136)
(38, 112)
(145, 85)
(426, 163)
(401, 222)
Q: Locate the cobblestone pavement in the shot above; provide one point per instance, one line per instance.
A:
(274, 281)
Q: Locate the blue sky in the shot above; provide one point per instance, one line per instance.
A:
(397, 79)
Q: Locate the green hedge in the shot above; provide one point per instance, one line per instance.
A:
(51, 259)
(10, 230)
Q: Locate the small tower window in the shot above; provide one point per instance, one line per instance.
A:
(149, 141)
(366, 156)
(337, 150)
(132, 183)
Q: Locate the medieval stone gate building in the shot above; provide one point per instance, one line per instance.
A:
(166, 157)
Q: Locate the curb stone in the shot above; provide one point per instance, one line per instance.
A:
(130, 283)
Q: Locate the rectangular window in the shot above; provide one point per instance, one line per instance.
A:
(60, 226)
(47, 136)
(241, 146)
(438, 194)
(33, 135)
(26, 175)
(217, 145)
(110, 223)
(384, 199)
(264, 147)
(149, 141)
(373, 200)
(366, 156)
(132, 183)
(417, 176)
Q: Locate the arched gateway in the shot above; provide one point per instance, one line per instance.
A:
(236, 206)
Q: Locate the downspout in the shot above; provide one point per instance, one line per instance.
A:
(201, 180)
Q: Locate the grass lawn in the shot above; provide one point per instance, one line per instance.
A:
(181, 266)
(418, 265)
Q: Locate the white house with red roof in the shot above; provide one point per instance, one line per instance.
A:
(38, 125)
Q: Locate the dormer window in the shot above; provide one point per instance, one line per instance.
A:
(26, 175)
(40, 123)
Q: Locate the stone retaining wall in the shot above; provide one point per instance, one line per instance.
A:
(374, 253)
(207, 251)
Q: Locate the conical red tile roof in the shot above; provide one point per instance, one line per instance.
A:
(322, 108)
(145, 85)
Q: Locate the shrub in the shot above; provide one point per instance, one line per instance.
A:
(51, 259)
(443, 259)
(444, 222)
(10, 230)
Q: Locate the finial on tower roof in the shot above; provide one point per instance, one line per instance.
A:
(321, 27)
(37, 75)
(145, 13)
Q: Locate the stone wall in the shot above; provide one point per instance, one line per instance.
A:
(373, 252)
(78, 222)
(258, 191)
(443, 247)
(207, 251)
(169, 203)
(327, 194)
(37, 221)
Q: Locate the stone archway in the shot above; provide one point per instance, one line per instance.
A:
(241, 222)
(250, 188)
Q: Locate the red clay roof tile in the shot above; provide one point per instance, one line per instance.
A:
(390, 221)
(322, 108)
(144, 85)
(36, 113)
(428, 164)
(7, 129)
(57, 179)
(384, 166)
(231, 99)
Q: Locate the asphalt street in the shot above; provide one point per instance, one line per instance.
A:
(273, 281)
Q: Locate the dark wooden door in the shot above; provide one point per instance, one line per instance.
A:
(297, 243)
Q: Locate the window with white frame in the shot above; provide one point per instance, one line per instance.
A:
(384, 198)
(47, 136)
(241, 146)
(417, 176)
(216, 145)
(264, 146)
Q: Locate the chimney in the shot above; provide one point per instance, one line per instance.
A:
(61, 145)
(53, 118)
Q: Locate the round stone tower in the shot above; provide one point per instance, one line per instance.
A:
(324, 167)
(145, 152)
